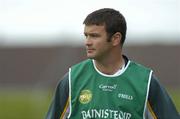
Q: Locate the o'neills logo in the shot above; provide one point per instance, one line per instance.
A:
(125, 96)
(105, 114)
(104, 87)
(85, 96)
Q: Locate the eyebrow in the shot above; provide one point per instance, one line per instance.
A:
(91, 34)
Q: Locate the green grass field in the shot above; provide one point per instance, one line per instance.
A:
(27, 104)
(175, 95)
(24, 104)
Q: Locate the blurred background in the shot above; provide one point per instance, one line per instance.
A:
(41, 39)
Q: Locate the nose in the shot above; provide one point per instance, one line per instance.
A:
(88, 41)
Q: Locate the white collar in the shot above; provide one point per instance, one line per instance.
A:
(119, 72)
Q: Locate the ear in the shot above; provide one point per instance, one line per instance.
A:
(116, 39)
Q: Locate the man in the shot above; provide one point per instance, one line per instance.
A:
(108, 85)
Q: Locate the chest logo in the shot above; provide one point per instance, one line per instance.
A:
(109, 88)
(85, 96)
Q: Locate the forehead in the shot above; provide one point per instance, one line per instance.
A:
(94, 28)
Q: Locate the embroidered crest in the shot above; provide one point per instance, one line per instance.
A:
(85, 96)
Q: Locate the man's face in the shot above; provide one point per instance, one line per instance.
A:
(96, 43)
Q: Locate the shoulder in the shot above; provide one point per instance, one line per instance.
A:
(82, 63)
(64, 83)
(135, 64)
(139, 65)
(139, 69)
(81, 67)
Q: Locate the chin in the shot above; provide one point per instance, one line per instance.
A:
(90, 56)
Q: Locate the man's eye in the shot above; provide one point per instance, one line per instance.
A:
(85, 35)
(94, 35)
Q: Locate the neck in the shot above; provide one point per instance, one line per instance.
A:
(110, 66)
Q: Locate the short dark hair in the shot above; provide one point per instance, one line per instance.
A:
(113, 20)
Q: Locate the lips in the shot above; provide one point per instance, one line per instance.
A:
(89, 50)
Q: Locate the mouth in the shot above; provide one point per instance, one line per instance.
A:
(89, 50)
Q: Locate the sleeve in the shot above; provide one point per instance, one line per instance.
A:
(60, 99)
(160, 105)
